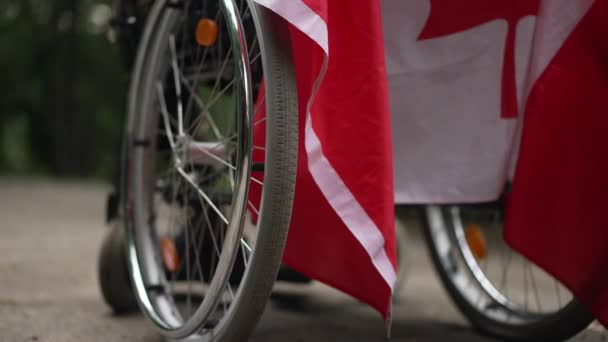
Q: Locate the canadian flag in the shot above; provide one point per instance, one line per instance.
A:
(456, 72)
(464, 78)
(558, 210)
(342, 229)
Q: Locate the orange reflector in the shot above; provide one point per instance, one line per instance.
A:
(206, 32)
(169, 253)
(476, 241)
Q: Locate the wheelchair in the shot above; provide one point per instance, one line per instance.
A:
(201, 211)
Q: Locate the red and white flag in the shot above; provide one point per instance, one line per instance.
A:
(456, 72)
(464, 77)
(461, 75)
(342, 230)
(558, 210)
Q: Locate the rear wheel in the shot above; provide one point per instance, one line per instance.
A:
(499, 291)
(206, 225)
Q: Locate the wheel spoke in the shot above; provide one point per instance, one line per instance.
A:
(198, 245)
(246, 250)
(253, 47)
(236, 134)
(172, 220)
(206, 149)
(256, 57)
(201, 193)
(219, 95)
(220, 74)
(165, 115)
(194, 85)
(189, 285)
(211, 227)
(204, 111)
(178, 86)
(534, 288)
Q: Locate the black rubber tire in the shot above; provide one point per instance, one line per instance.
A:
(564, 324)
(113, 278)
(279, 180)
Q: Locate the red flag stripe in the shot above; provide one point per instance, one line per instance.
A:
(556, 215)
(328, 180)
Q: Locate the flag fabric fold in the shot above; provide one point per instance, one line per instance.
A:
(342, 229)
(558, 211)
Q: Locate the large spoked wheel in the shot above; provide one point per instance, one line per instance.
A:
(498, 290)
(207, 210)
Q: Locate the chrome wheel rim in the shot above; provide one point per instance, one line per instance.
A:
(492, 284)
(189, 161)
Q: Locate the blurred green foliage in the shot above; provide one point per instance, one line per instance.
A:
(63, 88)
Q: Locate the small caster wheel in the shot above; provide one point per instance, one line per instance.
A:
(113, 273)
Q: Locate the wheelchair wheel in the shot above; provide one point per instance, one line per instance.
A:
(199, 268)
(499, 291)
